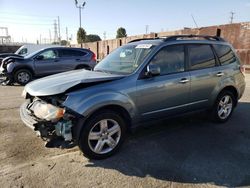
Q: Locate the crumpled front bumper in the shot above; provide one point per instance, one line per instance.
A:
(26, 116)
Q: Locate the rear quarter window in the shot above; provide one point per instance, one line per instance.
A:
(71, 53)
(201, 56)
(225, 54)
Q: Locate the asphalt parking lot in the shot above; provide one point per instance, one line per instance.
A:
(189, 151)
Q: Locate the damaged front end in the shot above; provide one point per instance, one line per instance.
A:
(48, 117)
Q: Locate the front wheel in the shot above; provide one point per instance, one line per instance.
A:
(23, 76)
(224, 106)
(102, 135)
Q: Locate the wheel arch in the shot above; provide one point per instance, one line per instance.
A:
(233, 90)
(25, 68)
(112, 107)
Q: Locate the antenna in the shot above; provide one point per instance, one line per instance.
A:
(194, 20)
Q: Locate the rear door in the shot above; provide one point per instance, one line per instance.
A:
(168, 93)
(205, 74)
(48, 64)
(71, 58)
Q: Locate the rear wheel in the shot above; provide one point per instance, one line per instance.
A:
(83, 67)
(23, 76)
(102, 135)
(224, 106)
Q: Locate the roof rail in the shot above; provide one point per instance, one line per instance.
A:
(176, 37)
(206, 37)
(136, 40)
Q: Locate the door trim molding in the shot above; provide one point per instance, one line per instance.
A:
(174, 107)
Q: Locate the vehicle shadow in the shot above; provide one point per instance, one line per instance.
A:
(189, 150)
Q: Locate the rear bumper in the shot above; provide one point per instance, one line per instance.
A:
(26, 117)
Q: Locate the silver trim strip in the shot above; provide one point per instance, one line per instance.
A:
(174, 107)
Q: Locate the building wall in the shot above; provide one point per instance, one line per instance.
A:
(237, 34)
(9, 48)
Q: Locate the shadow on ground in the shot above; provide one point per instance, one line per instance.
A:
(189, 150)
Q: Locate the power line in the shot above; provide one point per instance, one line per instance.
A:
(24, 15)
(24, 23)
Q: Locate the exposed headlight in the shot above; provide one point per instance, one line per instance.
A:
(47, 111)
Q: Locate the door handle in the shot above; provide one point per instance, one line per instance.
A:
(184, 80)
(219, 74)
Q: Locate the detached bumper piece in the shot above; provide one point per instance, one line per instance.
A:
(47, 130)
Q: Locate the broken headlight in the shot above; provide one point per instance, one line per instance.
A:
(47, 111)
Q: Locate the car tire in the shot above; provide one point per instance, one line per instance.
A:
(22, 76)
(83, 67)
(223, 107)
(102, 135)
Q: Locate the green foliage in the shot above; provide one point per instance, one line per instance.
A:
(121, 32)
(92, 38)
(55, 43)
(64, 43)
(81, 35)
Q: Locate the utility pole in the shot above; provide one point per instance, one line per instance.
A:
(55, 32)
(59, 34)
(104, 35)
(147, 26)
(80, 7)
(49, 36)
(232, 17)
(67, 37)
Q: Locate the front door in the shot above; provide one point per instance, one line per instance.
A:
(168, 93)
(46, 63)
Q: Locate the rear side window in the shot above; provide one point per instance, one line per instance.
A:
(201, 56)
(170, 59)
(225, 54)
(71, 53)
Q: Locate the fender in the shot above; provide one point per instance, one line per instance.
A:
(86, 105)
(227, 81)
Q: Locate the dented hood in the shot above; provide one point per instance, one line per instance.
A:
(59, 83)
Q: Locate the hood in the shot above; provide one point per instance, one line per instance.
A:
(60, 83)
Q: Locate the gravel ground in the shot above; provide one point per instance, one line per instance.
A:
(184, 152)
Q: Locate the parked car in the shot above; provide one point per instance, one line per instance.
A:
(142, 81)
(46, 62)
(25, 50)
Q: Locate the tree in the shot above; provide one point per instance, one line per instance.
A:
(92, 38)
(121, 32)
(81, 35)
(64, 42)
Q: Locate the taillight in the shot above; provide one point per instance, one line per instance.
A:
(242, 69)
(93, 58)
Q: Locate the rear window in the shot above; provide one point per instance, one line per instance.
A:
(201, 56)
(225, 54)
(70, 53)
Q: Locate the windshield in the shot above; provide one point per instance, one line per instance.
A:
(33, 53)
(125, 59)
(22, 51)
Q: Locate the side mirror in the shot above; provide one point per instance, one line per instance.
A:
(153, 70)
(40, 57)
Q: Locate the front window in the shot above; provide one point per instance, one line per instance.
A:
(48, 54)
(125, 59)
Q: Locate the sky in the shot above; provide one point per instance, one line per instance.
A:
(30, 20)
